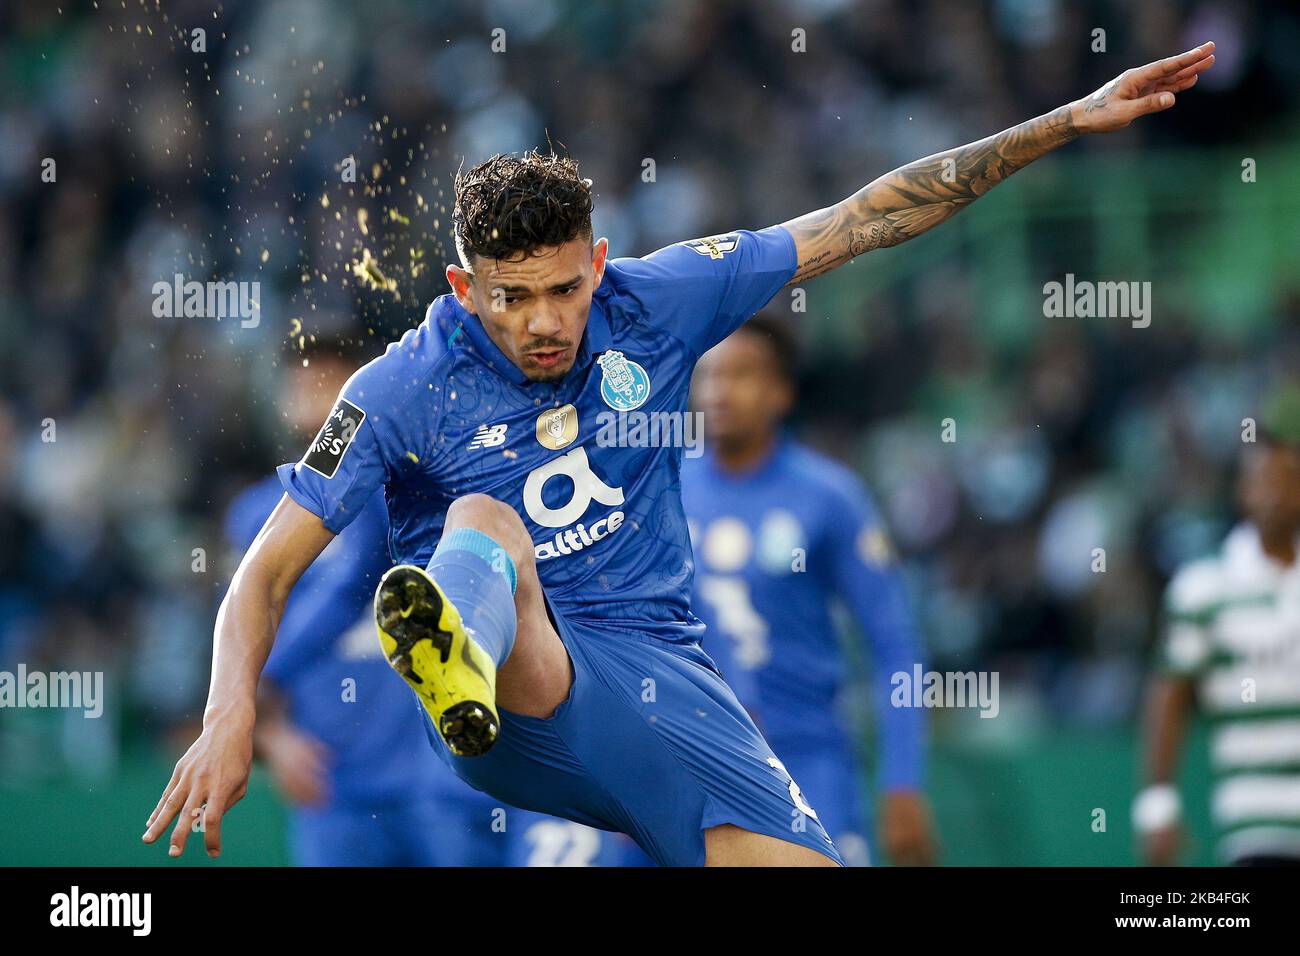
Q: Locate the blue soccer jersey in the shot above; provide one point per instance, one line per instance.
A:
(777, 548)
(444, 413)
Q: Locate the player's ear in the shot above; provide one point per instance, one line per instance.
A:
(459, 279)
(599, 252)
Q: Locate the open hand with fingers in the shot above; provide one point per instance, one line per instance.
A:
(208, 780)
(1139, 91)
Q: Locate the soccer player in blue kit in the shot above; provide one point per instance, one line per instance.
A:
(540, 607)
(781, 534)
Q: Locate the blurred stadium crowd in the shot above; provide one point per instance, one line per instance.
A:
(225, 164)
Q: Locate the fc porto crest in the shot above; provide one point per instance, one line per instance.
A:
(625, 384)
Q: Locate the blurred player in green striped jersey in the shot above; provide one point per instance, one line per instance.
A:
(1231, 649)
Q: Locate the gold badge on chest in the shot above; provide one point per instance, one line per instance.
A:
(557, 427)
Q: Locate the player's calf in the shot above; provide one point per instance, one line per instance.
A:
(535, 675)
(447, 628)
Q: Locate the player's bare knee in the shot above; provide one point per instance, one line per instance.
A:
(497, 520)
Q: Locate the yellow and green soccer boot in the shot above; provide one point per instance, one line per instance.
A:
(425, 641)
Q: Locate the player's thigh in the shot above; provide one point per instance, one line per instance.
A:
(537, 676)
(729, 845)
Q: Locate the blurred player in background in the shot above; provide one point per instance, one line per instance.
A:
(781, 533)
(1232, 650)
(338, 733)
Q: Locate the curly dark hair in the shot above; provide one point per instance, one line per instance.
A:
(508, 205)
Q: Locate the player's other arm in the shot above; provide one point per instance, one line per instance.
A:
(297, 761)
(867, 579)
(917, 197)
(213, 773)
(1183, 654)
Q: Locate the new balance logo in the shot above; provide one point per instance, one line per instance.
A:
(488, 436)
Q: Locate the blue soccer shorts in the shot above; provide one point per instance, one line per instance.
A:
(651, 742)
(830, 770)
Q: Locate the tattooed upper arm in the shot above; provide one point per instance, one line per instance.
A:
(914, 198)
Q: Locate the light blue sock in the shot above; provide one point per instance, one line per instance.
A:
(478, 576)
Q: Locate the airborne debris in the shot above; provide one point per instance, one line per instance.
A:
(372, 276)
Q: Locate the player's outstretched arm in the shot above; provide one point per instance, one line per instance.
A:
(914, 198)
(212, 776)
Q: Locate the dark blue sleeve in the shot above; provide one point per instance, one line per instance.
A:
(370, 437)
(866, 576)
(702, 290)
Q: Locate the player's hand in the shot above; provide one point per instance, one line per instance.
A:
(1139, 91)
(297, 762)
(907, 829)
(1163, 847)
(210, 779)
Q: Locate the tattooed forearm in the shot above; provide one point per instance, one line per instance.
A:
(914, 198)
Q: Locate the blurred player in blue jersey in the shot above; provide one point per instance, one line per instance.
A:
(541, 609)
(781, 533)
(339, 735)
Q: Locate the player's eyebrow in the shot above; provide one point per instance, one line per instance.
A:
(551, 288)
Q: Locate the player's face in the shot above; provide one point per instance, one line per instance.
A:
(535, 307)
(1269, 488)
(740, 391)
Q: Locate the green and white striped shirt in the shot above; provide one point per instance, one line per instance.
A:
(1234, 627)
